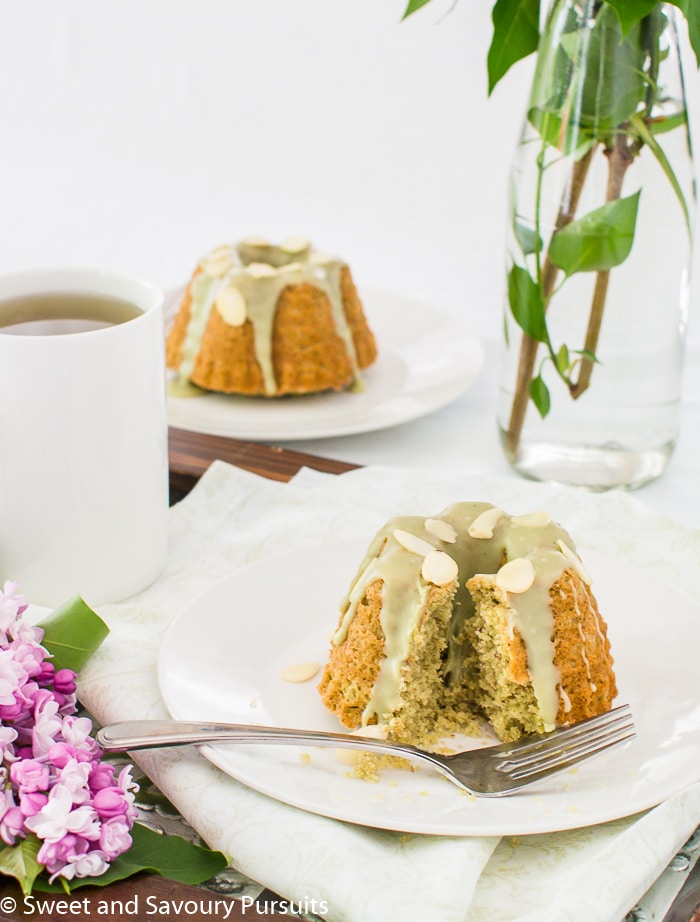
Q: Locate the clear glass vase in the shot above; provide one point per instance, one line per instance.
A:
(599, 251)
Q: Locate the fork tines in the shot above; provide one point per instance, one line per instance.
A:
(568, 746)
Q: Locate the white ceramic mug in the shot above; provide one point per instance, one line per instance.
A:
(83, 447)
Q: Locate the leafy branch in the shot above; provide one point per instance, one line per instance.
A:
(596, 88)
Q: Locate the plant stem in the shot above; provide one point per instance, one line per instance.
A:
(528, 345)
(619, 159)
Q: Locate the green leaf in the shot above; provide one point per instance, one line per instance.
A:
(609, 82)
(630, 12)
(170, 856)
(639, 125)
(539, 394)
(667, 122)
(73, 633)
(516, 34)
(562, 360)
(566, 135)
(527, 238)
(413, 6)
(599, 240)
(526, 303)
(691, 11)
(587, 354)
(19, 861)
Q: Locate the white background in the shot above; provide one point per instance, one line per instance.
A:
(136, 135)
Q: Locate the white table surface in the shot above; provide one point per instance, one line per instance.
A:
(464, 435)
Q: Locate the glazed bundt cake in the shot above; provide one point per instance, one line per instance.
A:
(469, 617)
(268, 320)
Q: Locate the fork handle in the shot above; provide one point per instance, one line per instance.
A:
(151, 734)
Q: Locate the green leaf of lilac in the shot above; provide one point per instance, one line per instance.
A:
(526, 303)
(667, 122)
(516, 34)
(609, 82)
(566, 135)
(170, 856)
(413, 6)
(72, 634)
(539, 394)
(562, 359)
(527, 238)
(19, 861)
(691, 11)
(630, 12)
(587, 354)
(600, 240)
(639, 125)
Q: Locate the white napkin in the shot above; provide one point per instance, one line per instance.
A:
(232, 518)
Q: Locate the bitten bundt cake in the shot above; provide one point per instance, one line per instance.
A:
(268, 320)
(469, 617)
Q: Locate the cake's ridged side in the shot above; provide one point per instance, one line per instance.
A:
(363, 338)
(226, 359)
(353, 666)
(178, 330)
(307, 352)
(581, 651)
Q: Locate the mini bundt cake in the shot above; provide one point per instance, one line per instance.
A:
(259, 319)
(469, 617)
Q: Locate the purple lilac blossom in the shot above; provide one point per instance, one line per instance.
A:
(53, 784)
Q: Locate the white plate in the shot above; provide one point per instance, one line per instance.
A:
(427, 358)
(223, 656)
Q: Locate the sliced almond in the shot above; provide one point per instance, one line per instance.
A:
(575, 561)
(258, 243)
(441, 529)
(321, 259)
(413, 543)
(294, 245)
(484, 524)
(533, 519)
(217, 264)
(439, 568)
(261, 270)
(230, 303)
(300, 672)
(516, 576)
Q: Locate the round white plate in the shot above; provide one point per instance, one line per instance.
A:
(427, 358)
(223, 657)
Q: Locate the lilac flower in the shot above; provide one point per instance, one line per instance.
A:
(55, 855)
(74, 776)
(115, 836)
(30, 775)
(31, 804)
(90, 864)
(53, 783)
(47, 724)
(11, 607)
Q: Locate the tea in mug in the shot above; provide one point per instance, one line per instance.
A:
(56, 313)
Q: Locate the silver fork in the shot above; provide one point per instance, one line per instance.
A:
(489, 772)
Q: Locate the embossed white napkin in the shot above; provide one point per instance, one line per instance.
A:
(366, 875)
